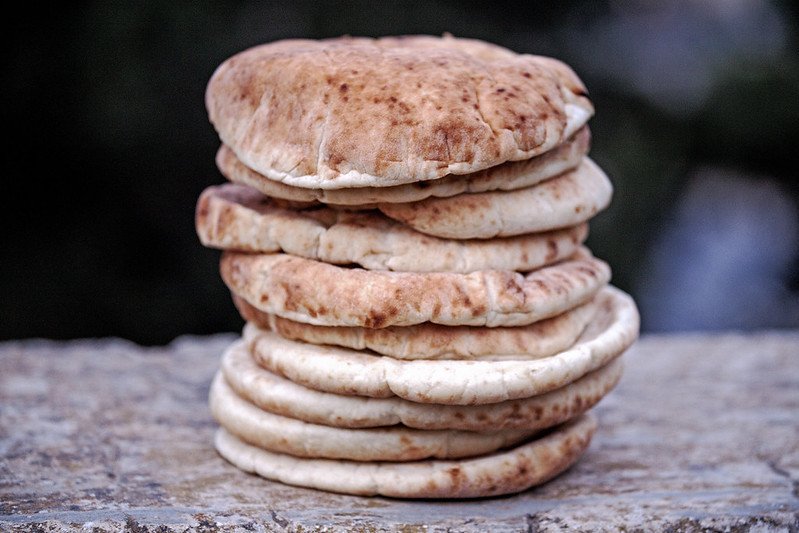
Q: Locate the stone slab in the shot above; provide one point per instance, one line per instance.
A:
(702, 434)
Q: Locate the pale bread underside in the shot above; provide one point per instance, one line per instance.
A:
(312, 292)
(507, 176)
(283, 397)
(362, 112)
(235, 217)
(282, 434)
(504, 472)
(566, 200)
(433, 341)
(352, 372)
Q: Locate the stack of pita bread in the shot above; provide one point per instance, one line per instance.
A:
(403, 234)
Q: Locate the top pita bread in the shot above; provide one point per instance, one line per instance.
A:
(505, 177)
(358, 112)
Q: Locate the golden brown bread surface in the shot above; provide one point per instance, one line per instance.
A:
(565, 200)
(281, 396)
(236, 217)
(506, 176)
(504, 472)
(434, 341)
(450, 382)
(304, 439)
(327, 295)
(358, 112)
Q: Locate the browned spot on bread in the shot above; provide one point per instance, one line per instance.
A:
(513, 287)
(552, 249)
(375, 319)
(456, 476)
(202, 210)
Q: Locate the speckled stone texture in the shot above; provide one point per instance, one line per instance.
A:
(702, 434)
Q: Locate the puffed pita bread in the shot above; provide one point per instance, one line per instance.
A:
(566, 200)
(317, 293)
(477, 382)
(507, 176)
(303, 439)
(358, 112)
(433, 341)
(278, 395)
(235, 217)
(504, 472)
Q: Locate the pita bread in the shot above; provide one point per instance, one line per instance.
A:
(358, 112)
(235, 217)
(351, 372)
(566, 200)
(317, 293)
(302, 439)
(507, 176)
(283, 397)
(432, 341)
(504, 472)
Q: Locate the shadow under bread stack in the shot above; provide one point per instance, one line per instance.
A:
(404, 236)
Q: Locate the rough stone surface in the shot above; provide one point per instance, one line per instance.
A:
(702, 434)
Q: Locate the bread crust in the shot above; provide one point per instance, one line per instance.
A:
(236, 217)
(358, 112)
(317, 293)
(505, 472)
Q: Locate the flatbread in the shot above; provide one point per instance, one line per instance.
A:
(566, 200)
(506, 176)
(504, 472)
(352, 372)
(303, 439)
(359, 112)
(433, 341)
(236, 217)
(278, 395)
(317, 293)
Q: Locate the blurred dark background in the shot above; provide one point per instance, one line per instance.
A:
(108, 147)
